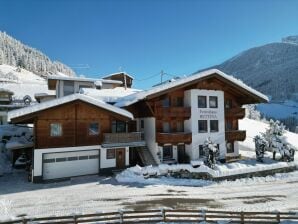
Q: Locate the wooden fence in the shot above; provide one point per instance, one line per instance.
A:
(165, 216)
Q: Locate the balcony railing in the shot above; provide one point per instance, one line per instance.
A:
(173, 138)
(236, 112)
(183, 112)
(109, 138)
(235, 135)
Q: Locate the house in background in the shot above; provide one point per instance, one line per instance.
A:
(110, 126)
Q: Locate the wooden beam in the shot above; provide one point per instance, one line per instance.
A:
(150, 108)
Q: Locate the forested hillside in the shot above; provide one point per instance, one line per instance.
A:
(17, 54)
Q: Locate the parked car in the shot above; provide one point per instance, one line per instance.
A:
(22, 161)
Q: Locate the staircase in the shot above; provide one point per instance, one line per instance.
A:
(146, 156)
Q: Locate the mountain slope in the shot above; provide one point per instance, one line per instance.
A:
(271, 68)
(17, 54)
(22, 83)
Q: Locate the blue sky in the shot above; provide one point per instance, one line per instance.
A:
(145, 37)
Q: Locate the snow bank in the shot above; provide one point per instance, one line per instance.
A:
(141, 174)
(109, 95)
(254, 128)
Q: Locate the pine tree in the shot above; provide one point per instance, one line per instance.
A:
(273, 140)
(211, 153)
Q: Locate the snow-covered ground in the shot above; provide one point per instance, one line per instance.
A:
(94, 194)
(22, 82)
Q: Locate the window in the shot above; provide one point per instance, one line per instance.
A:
(166, 127)
(56, 130)
(83, 157)
(93, 157)
(213, 102)
(84, 86)
(167, 152)
(202, 102)
(166, 102)
(203, 127)
(228, 104)
(110, 153)
(61, 159)
(72, 158)
(180, 126)
(68, 87)
(179, 102)
(118, 126)
(142, 124)
(93, 129)
(49, 160)
(229, 125)
(230, 147)
(201, 151)
(213, 125)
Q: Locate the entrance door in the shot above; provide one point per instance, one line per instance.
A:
(120, 158)
(181, 153)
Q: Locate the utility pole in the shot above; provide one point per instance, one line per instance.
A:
(161, 75)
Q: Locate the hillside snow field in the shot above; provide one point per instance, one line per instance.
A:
(254, 128)
(95, 194)
(22, 82)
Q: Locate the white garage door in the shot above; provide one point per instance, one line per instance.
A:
(69, 164)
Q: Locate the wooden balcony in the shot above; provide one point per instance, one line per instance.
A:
(112, 138)
(235, 135)
(173, 138)
(181, 112)
(236, 112)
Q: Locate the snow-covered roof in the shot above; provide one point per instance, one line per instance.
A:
(109, 95)
(82, 79)
(131, 99)
(6, 91)
(59, 101)
(118, 73)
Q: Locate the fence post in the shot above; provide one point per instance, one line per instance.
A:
(242, 217)
(163, 214)
(121, 216)
(204, 215)
(75, 219)
(278, 217)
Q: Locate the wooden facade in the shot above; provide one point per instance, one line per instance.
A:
(75, 118)
(176, 113)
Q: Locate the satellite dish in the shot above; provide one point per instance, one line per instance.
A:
(27, 100)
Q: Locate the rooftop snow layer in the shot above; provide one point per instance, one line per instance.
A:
(109, 95)
(59, 101)
(117, 73)
(128, 100)
(82, 79)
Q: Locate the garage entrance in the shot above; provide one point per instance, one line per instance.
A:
(69, 164)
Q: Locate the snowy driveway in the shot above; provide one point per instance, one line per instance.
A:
(94, 194)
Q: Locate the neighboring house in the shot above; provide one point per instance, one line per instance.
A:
(125, 78)
(7, 104)
(65, 86)
(78, 134)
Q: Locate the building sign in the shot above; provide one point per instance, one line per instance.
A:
(208, 114)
